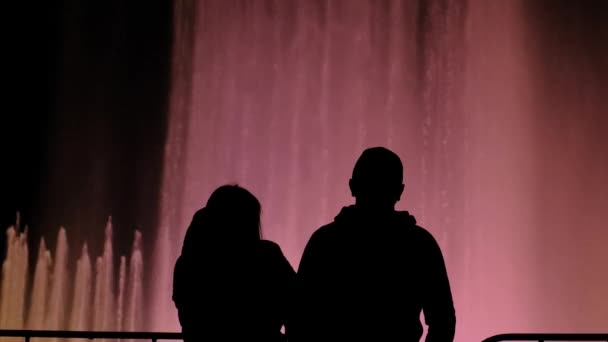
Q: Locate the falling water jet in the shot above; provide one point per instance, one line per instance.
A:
(104, 314)
(14, 278)
(121, 293)
(55, 316)
(20, 274)
(97, 295)
(40, 291)
(40, 288)
(107, 315)
(6, 275)
(134, 314)
(81, 304)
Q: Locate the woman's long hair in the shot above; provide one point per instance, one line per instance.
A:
(231, 217)
(236, 212)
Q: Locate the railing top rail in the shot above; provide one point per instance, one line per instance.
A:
(136, 335)
(152, 335)
(547, 337)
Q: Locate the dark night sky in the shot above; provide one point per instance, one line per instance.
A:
(84, 121)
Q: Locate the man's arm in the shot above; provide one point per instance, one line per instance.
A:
(302, 323)
(286, 277)
(438, 305)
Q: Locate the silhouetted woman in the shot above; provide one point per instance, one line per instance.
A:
(228, 283)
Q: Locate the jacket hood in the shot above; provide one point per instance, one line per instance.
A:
(356, 215)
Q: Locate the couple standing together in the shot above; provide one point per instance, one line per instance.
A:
(364, 277)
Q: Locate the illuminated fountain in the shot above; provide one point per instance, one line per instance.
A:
(112, 302)
(14, 279)
(498, 113)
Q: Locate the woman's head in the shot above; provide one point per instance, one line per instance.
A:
(235, 212)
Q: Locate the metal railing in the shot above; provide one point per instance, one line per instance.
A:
(547, 337)
(158, 336)
(91, 335)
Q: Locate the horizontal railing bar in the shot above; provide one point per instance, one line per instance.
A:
(155, 336)
(547, 337)
(135, 335)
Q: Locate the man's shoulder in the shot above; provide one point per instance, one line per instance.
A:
(421, 232)
(326, 231)
(324, 237)
(423, 238)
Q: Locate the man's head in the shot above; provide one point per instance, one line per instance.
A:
(377, 180)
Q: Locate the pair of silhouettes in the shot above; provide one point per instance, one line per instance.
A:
(366, 276)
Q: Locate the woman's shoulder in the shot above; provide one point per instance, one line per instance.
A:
(273, 257)
(269, 246)
(270, 250)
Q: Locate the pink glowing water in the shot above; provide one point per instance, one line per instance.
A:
(499, 124)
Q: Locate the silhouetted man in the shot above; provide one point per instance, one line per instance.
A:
(368, 275)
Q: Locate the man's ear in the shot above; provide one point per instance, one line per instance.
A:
(401, 188)
(353, 187)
